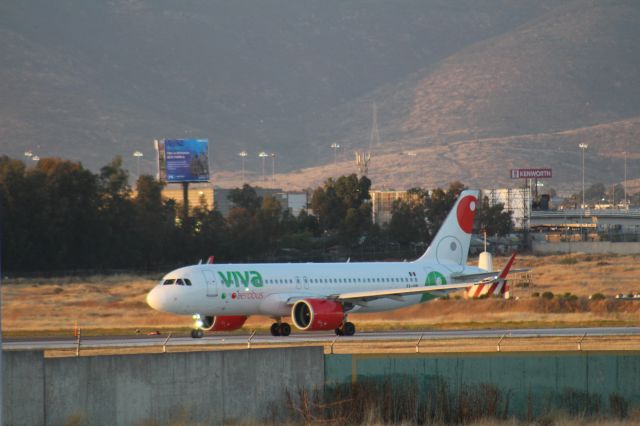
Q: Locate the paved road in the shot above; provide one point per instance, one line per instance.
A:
(320, 337)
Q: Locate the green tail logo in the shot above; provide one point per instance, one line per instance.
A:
(433, 278)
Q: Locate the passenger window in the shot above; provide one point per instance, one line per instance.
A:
(179, 281)
(187, 281)
(168, 282)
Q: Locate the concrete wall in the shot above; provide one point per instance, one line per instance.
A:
(190, 387)
(533, 383)
(227, 386)
(586, 247)
(23, 388)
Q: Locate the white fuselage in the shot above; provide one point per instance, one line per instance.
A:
(267, 289)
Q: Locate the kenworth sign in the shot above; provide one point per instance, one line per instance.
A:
(531, 174)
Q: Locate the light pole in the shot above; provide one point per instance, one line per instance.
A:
(583, 147)
(243, 155)
(335, 147)
(273, 168)
(138, 154)
(263, 155)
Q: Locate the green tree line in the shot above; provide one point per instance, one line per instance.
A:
(59, 216)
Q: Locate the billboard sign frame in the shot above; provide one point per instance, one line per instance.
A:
(183, 160)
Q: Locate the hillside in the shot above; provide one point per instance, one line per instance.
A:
(471, 87)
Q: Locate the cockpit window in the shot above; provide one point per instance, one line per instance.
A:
(179, 282)
(168, 282)
(187, 281)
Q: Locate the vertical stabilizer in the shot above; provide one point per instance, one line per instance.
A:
(451, 243)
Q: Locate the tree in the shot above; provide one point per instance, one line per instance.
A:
(268, 218)
(245, 197)
(440, 205)
(116, 211)
(408, 222)
(154, 223)
(341, 206)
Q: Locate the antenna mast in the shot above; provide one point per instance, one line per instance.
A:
(364, 157)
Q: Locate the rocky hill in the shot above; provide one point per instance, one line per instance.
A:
(471, 88)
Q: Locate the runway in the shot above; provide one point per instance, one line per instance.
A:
(301, 338)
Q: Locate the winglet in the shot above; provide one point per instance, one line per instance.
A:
(505, 270)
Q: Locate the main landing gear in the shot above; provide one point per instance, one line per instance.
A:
(197, 333)
(346, 329)
(280, 329)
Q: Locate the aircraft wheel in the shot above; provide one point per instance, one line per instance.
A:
(339, 332)
(275, 329)
(285, 329)
(349, 329)
(197, 334)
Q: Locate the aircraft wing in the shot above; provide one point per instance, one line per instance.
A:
(396, 293)
(479, 276)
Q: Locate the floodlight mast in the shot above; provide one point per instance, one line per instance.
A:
(273, 168)
(583, 147)
(263, 155)
(335, 147)
(243, 156)
(137, 155)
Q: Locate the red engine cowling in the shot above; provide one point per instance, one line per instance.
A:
(317, 314)
(226, 323)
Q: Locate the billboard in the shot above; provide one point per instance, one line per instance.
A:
(183, 160)
(531, 174)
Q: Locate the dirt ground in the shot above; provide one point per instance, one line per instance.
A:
(118, 302)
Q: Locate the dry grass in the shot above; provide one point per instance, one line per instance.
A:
(118, 302)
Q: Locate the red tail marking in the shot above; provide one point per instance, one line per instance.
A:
(506, 269)
(478, 290)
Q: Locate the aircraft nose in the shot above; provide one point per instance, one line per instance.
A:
(154, 299)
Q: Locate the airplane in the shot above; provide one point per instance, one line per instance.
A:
(320, 296)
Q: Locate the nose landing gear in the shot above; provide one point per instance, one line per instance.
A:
(197, 332)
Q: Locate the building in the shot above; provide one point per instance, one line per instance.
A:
(294, 201)
(382, 204)
(515, 200)
(218, 198)
(197, 194)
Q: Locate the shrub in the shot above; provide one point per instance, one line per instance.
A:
(547, 295)
(597, 296)
(535, 294)
(568, 261)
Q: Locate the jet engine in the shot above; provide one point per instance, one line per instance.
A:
(317, 314)
(222, 323)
